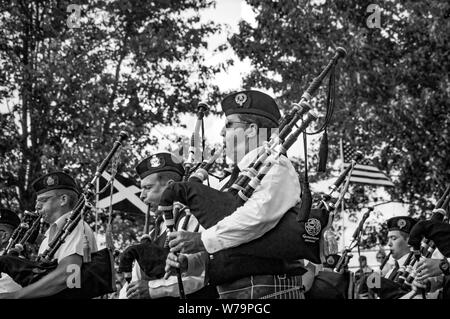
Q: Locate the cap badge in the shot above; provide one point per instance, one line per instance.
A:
(51, 180)
(240, 98)
(330, 260)
(313, 227)
(401, 223)
(154, 161)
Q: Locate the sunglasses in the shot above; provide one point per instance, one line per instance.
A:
(45, 199)
(229, 124)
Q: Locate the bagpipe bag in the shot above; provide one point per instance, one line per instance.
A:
(97, 276)
(289, 239)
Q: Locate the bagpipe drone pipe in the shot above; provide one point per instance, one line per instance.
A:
(335, 281)
(97, 272)
(31, 226)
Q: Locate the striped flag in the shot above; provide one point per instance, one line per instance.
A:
(364, 172)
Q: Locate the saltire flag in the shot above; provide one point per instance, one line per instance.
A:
(125, 196)
(364, 172)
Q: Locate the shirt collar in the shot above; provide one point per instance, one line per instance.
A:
(402, 260)
(248, 158)
(59, 223)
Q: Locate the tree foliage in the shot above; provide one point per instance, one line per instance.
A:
(123, 65)
(393, 86)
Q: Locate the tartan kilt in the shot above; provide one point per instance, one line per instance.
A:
(263, 287)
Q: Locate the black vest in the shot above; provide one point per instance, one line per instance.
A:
(227, 266)
(231, 264)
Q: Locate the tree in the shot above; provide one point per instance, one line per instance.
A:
(393, 86)
(73, 77)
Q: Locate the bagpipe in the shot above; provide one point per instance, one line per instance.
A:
(151, 257)
(28, 230)
(97, 271)
(295, 236)
(424, 238)
(427, 235)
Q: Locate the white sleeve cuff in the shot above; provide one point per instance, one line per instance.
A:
(197, 263)
(169, 287)
(210, 240)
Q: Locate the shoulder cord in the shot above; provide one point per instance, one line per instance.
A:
(86, 246)
(108, 235)
(305, 149)
(331, 94)
(203, 146)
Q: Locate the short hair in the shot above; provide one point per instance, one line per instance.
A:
(9, 227)
(404, 235)
(260, 121)
(169, 175)
(362, 257)
(73, 196)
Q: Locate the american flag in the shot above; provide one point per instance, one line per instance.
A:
(364, 172)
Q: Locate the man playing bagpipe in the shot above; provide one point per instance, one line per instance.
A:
(57, 194)
(248, 114)
(9, 221)
(156, 172)
(399, 229)
(398, 233)
(429, 268)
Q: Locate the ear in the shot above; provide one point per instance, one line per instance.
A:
(64, 199)
(170, 181)
(251, 131)
(4, 237)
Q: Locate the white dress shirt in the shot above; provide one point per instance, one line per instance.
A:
(278, 192)
(387, 267)
(401, 261)
(74, 241)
